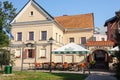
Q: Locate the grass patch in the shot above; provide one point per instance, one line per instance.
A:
(29, 75)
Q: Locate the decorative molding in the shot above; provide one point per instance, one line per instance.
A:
(32, 22)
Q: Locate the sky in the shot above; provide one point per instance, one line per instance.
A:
(102, 9)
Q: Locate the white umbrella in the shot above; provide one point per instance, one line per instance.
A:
(71, 48)
(115, 49)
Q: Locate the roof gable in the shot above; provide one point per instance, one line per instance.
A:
(111, 20)
(76, 21)
(32, 7)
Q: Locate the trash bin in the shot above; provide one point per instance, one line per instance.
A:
(8, 69)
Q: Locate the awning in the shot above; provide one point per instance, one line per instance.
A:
(71, 48)
(115, 49)
(111, 51)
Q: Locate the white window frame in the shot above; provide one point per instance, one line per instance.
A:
(16, 53)
(41, 54)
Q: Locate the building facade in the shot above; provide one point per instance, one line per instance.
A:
(112, 25)
(99, 37)
(33, 27)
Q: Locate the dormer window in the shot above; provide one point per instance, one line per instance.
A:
(31, 13)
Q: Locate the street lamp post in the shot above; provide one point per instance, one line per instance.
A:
(51, 42)
(89, 65)
(89, 68)
(35, 55)
(22, 56)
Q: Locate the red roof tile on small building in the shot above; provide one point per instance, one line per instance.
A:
(99, 43)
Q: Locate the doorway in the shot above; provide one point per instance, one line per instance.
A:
(101, 58)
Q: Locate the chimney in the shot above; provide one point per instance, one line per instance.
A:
(65, 15)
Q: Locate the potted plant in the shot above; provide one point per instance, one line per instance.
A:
(93, 64)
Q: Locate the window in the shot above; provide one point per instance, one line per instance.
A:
(42, 53)
(30, 53)
(94, 38)
(44, 35)
(31, 13)
(59, 38)
(83, 40)
(31, 35)
(56, 36)
(62, 40)
(19, 36)
(103, 39)
(18, 53)
(71, 39)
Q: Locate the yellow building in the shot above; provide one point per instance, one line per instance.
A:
(33, 26)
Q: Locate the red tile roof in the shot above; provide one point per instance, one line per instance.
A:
(99, 43)
(76, 21)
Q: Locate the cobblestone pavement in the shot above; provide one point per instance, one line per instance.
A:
(94, 75)
(98, 75)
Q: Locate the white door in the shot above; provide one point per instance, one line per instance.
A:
(59, 58)
(69, 58)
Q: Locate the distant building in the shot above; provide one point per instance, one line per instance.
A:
(99, 37)
(112, 25)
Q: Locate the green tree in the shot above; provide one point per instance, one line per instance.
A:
(4, 58)
(7, 13)
(4, 39)
(117, 53)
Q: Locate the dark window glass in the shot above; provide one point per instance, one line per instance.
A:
(94, 38)
(103, 39)
(31, 35)
(83, 40)
(19, 36)
(56, 36)
(71, 39)
(29, 53)
(31, 13)
(44, 35)
(59, 37)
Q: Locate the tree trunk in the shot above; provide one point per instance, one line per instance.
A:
(2, 68)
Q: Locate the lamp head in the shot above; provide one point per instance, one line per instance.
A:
(51, 40)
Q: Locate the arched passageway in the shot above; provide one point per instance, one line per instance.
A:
(101, 59)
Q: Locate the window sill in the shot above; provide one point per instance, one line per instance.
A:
(17, 56)
(29, 40)
(29, 58)
(42, 40)
(18, 41)
(42, 57)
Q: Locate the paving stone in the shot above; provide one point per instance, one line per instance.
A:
(100, 76)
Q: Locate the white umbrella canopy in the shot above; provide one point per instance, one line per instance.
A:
(115, 49)
(71, 48)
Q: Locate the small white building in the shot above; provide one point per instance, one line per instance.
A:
(99, 36)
